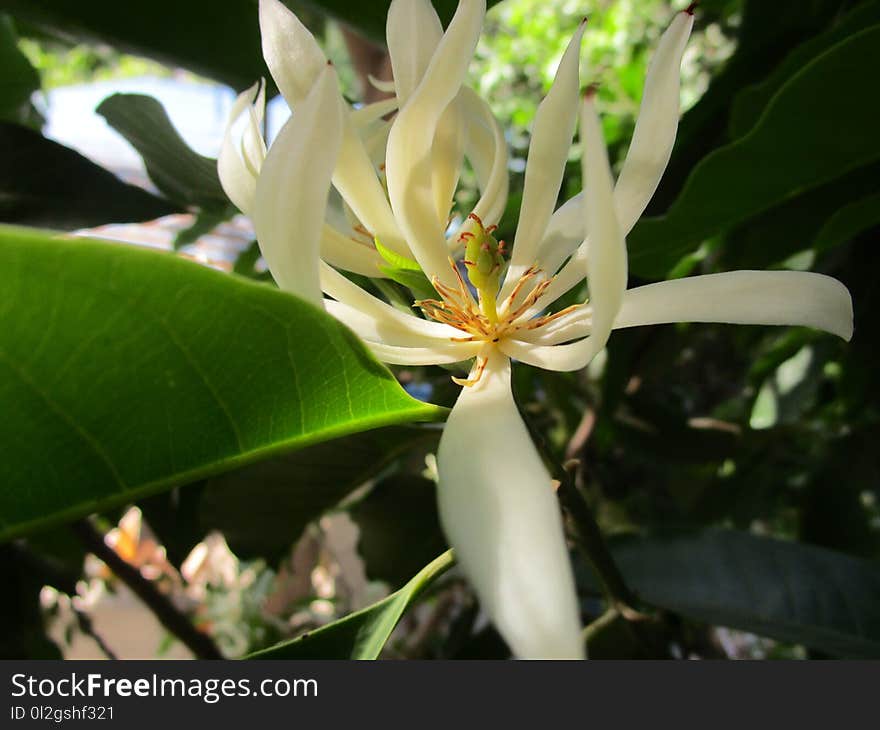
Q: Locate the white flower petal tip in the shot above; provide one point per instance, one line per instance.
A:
(292, 54)
(795, 298)
(502, 518)
(292, 189)
(242, 154)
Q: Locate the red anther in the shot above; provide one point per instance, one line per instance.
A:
(502, 245)
(474, 216)
(468, 263)
(490, 229)
(690, 8)
(466, 236)
(591, 90)
(484, 247)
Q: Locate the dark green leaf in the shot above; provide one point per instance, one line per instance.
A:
(787, 591)
(183, 175)
(18, 79)
(126, 372)
(43, 183)
(360, 635)
(264, 508)
(393, 548)
(819, 126)
(848, 222)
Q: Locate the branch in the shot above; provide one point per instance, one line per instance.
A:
(169, 616)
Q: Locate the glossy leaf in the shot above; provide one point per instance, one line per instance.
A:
(43, 183)
(125, 372)
(360, 635)
(819, 126)
(183, 175)
(263, 509)
(787, 591)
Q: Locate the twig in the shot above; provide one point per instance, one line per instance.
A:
(169, 616)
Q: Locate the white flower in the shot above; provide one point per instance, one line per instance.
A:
(496, 502)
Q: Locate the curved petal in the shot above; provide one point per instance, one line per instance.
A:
(437, 353)
(500, 514)
(408, 161)
(565, 233)
(293, 186)
(548, 151)
(238, 176)
(486, 148)
(292, 54)
(656, 125)
(384, 330)
(413, 31)
(337, 286)
(447, 155)
(743, 297)
(348, 254)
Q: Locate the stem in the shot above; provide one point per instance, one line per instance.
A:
(174, 621)
(589, 539)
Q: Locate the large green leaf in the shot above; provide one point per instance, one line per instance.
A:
(360, 635)
(262, 509)
(788, 591)
(220, 40)
(180, 173)
(125, 372)
(818, 126)
(43, 183)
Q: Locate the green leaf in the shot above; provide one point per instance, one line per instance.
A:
(819, 126)
(43, 183)
(394, 548)
(263, 509)
(183, 175)
(360, 635)
(750, 102)
(848, 222)
(787, 591)
(18, 79)
(126, 372)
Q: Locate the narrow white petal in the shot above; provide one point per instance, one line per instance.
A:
(502, 518)
(486, 148)
(356, 180)
(292, 54)
(373, 112)
(565, 233)
(438, 353)
(238, 180)
(292, 189)
(548, 151)
(743, 297)
(563, 358)
(383, 330)
(349, 254)
(337, 286)
(447, 156)
(413, 31)
(408, 162)
(656, 125)
(571, 326)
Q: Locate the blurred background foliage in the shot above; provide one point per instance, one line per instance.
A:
(732, 470)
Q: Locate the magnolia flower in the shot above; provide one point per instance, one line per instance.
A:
(495, 497)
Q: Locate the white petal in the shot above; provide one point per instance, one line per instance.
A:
(605, 256)
(292, 54)
(648, 154)
(743, 297)
(349, 293)
(437, 353)
(486, 148)
(408, 162)
(548, 151)
(413, 31)
(570, 326)
(349, 254)
(239, 180)
(356, 180)
(447, 156)
(293, 186)
(502, 518)
(373, 112)
(383, 330)
(656, 124)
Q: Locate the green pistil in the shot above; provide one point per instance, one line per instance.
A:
(484, 259)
